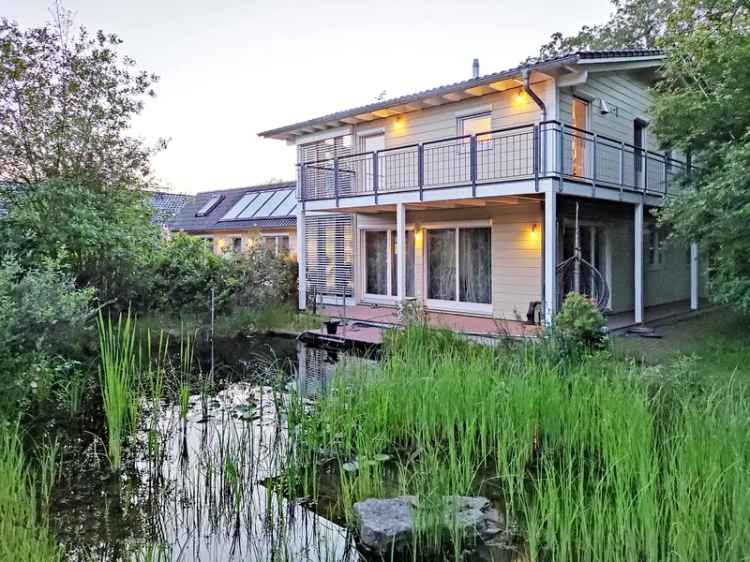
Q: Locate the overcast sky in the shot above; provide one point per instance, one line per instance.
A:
(232, 68)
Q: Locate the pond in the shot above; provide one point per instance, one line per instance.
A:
(194, 483)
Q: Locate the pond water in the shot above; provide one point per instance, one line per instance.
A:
(193, 483)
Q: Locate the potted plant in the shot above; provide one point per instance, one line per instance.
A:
(332, 326)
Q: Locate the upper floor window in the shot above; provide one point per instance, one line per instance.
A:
(476, 125)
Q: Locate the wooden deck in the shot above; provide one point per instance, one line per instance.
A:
(364, 324)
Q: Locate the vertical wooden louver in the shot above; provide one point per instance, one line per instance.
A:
(319, 176)
(328, 251)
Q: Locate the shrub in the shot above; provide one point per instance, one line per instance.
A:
(579, 326)
(183, 272)
(43, 320)
(263, 279)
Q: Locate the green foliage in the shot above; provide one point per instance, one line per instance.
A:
(118, 377)
(702, 107)
(599, 464)
(24, 536)
(67, 100)
(578, 326)
(183, 271)
(634, 24)
(43, 317)
(263, 279)
(103, 235)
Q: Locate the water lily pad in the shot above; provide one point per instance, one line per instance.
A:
(352, 466)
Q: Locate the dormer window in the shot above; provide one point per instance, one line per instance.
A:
(210, 205)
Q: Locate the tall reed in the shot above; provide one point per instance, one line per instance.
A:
(596, 460)
(24, 536)
(118, 378)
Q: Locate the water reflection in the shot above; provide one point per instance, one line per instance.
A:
(194, 485)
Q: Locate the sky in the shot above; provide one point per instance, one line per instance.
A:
(230, 69)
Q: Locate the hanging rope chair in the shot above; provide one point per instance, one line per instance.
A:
(577, 275)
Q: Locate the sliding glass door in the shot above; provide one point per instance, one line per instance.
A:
(459, 268)
(381, 263)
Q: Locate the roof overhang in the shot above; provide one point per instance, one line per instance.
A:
(566, 65)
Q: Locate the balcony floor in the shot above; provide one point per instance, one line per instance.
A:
(381, 316)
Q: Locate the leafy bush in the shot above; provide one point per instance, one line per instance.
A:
(43, 317)
(103, 235)
(579, 326)
(263, 279)
(183, 271)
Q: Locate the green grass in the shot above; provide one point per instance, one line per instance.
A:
(240, 320)
(718, 340)
(598, 460)
(118, 376)
(24, 536)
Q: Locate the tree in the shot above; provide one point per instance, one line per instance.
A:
(103, 236)
(634, 24)
(702, 107)
(67, 99)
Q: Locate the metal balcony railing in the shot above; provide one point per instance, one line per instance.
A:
(527, 152)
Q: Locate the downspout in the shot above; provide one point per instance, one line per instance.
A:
(532, 94)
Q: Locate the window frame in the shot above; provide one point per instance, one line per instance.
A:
(456, 304)
(484, 139)
(391, 236)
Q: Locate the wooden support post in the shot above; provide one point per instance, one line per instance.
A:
(301, 257)
(694, 276)
(550, 254)
(401, 251)
(638, 263)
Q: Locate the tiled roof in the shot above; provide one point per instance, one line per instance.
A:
(539, 64)
(166, 205)
(259, 209)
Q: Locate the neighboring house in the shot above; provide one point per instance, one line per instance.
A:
(488, 186)
(166, 205)
(231, 219)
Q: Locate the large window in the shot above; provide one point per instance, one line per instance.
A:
(381, 263)
(459, 265)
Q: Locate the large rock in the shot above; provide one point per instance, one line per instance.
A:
(387, 525)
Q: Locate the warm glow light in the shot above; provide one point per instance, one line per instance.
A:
(398, 123)
(534, 234)
(520, 98)
(418, 238)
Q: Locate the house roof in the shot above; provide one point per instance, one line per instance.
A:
(269, 205)
(166, 205)
(496, 81)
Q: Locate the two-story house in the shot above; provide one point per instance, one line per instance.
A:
(496, 195)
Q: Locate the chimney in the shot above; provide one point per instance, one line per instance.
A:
(475, 69)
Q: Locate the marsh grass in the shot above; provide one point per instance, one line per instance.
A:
(594, 460)
(24, 536)
(118, 378)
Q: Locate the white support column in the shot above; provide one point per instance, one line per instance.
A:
(301, 258)
(550, 254)
(694, 276)
(638, 263)
(401, 251)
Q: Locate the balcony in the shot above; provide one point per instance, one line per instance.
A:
(527, 153)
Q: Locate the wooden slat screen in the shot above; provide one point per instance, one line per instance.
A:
(328, 242)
